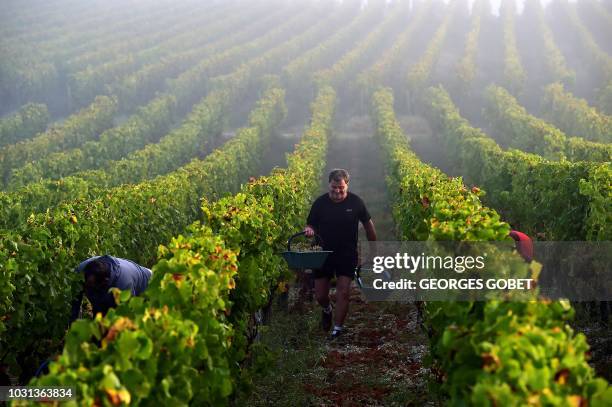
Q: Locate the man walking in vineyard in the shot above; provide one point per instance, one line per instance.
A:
(335, 217)
(104, 272)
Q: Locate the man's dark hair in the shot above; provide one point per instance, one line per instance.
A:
(99, 269)
(338, 174)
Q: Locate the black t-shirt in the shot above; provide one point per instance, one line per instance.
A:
(337, 223)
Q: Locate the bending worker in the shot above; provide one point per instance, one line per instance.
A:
(104, 272)
(335, 217)
(523, 244)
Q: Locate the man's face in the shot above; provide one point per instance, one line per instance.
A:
(338, 190)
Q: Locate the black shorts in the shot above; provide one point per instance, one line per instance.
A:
(336, 267)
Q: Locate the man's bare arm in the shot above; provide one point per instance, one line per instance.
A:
(370, 230)
(367, 257)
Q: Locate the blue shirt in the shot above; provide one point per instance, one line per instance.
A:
(124, 275)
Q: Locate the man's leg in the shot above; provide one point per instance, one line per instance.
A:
(322, 291)
(299, 303)
(322, 294)
(343, 291)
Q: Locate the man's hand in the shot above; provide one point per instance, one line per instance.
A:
(309, 231)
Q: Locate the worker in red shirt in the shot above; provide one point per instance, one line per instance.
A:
(524, 245)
